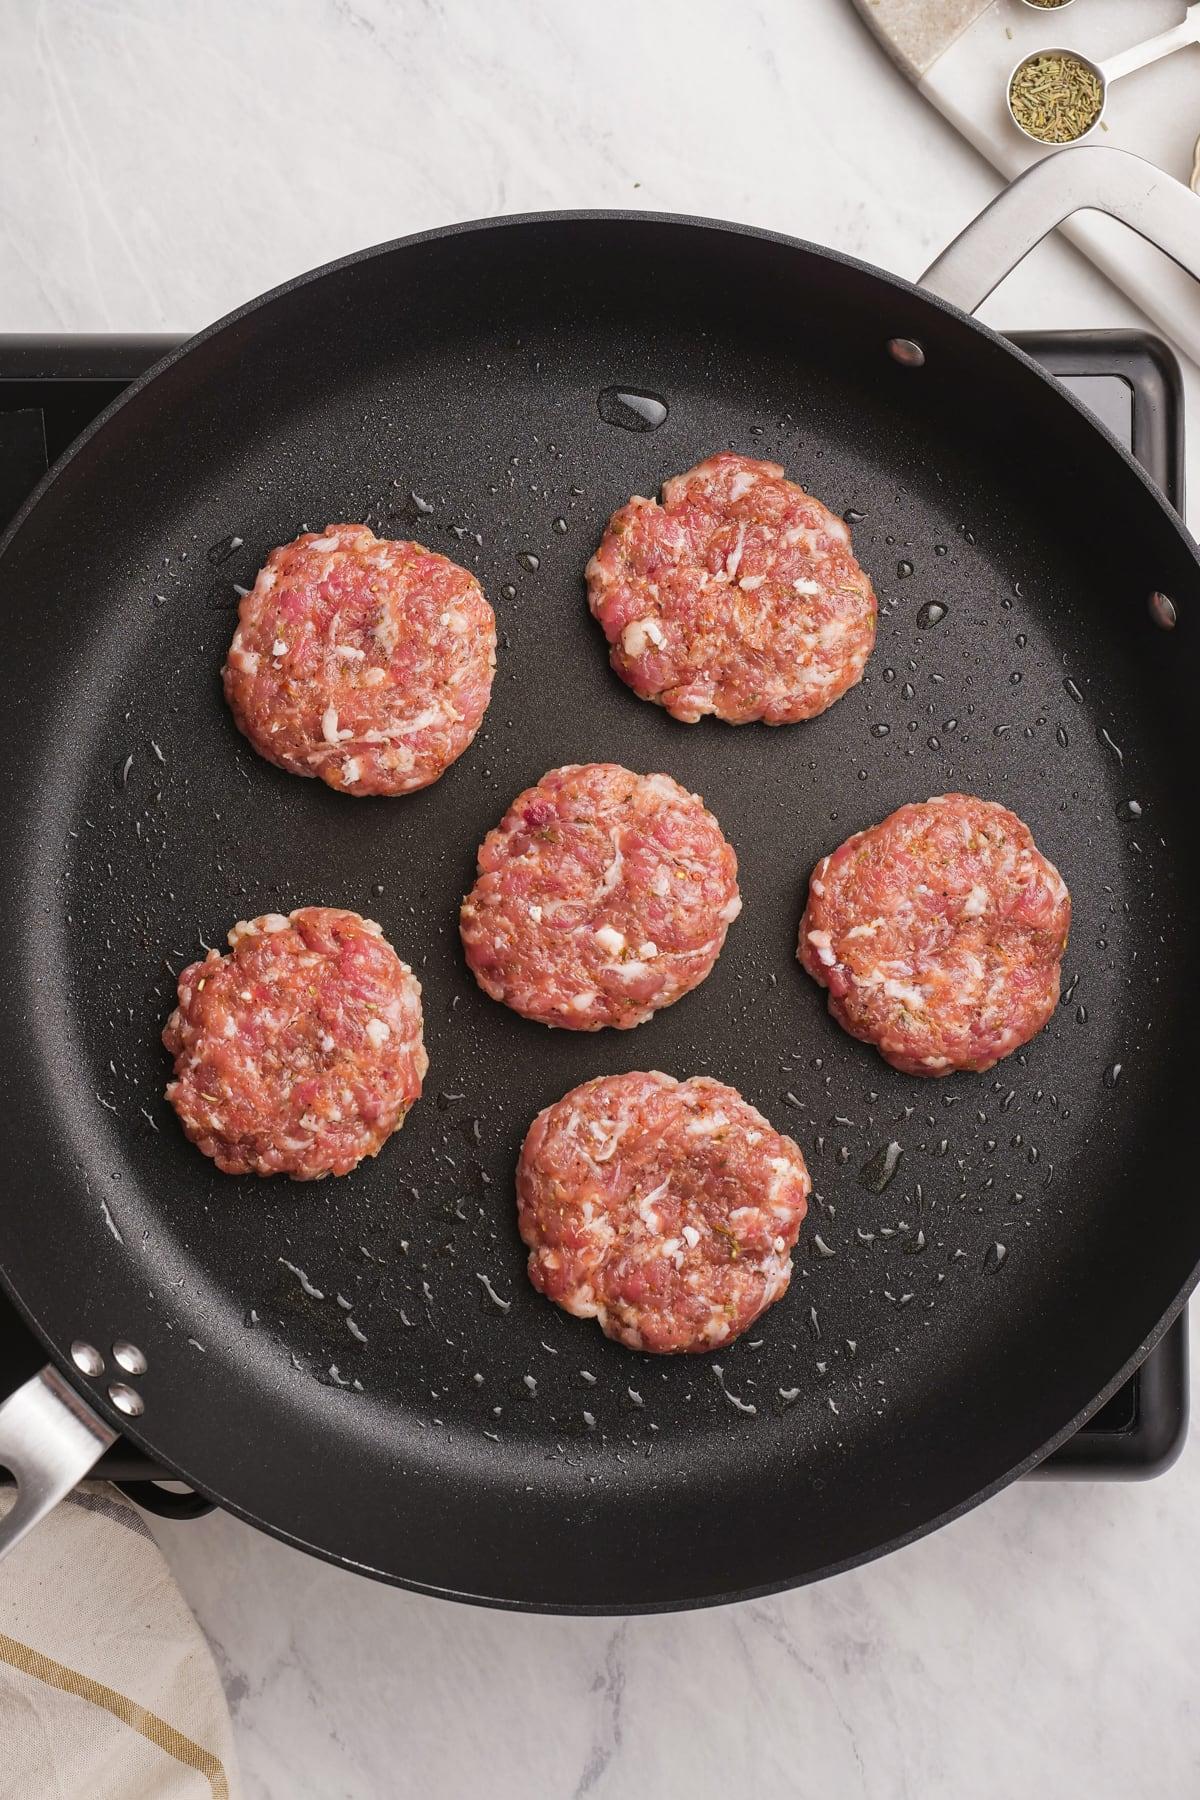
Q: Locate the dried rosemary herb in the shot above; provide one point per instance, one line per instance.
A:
(1056, 98)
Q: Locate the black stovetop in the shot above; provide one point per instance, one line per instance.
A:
(50, 388)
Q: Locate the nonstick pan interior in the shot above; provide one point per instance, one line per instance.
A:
(361, 1365)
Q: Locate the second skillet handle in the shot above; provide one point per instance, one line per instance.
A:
(1112, 181)
(49, 1439)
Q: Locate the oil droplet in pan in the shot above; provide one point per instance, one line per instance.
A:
(932, 613)
(496, 1299)
(880, 1168)
(221, 551)
(735, 1400)
(631, 410)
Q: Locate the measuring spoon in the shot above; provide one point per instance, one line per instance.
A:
(1113, 67)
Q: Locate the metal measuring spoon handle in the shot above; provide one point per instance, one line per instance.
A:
(1124, 62)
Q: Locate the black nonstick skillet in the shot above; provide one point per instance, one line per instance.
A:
(998, 1250)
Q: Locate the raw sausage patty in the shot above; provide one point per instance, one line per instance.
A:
(602, 896)
(300, 1052)
(667, 1210)
(738, 596)
(939, 934)
(366, 662)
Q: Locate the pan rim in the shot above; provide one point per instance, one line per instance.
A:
(628, 1609)
(583, 216)
(637, 219)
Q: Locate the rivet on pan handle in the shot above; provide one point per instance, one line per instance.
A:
(1112, 181)
(49, 1439)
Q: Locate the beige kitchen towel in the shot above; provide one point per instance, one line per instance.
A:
(108, 1690)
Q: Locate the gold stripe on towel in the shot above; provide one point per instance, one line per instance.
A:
(151, 1727)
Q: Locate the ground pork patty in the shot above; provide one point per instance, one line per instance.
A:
(300, 1052)
(602, 896)
(665, 1209)
(738, 596)
(364, 661)
(939, 934)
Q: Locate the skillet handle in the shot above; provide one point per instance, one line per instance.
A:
(1112, 181)
(49, 1439)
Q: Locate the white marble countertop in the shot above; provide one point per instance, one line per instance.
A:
(159, 163)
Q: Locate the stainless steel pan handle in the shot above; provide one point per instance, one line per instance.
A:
(49, 1439)
(1112, 181)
